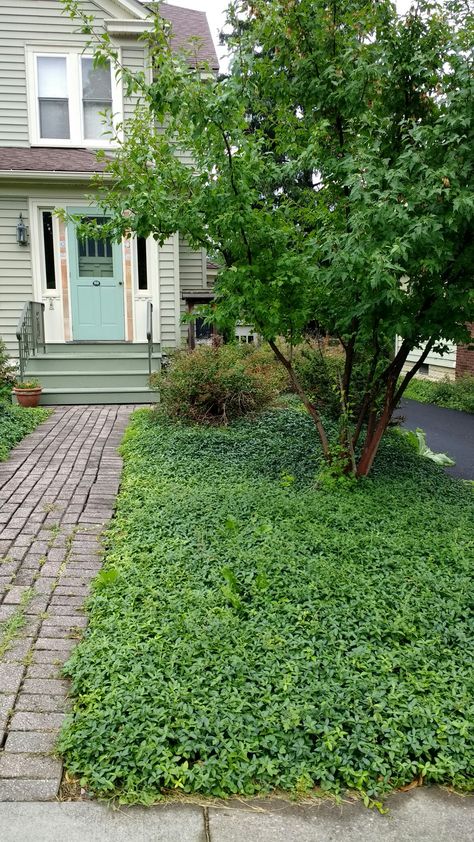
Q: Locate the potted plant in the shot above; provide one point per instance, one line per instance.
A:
(27, 392)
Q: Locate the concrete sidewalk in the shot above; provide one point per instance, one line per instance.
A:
(422, 815)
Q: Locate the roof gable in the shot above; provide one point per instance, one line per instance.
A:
(132, 7)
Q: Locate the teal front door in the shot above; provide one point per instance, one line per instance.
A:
(96, 283)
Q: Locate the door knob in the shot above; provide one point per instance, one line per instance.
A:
(120, 283)
(96, 283)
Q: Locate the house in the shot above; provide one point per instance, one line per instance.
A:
(92, 317)
(457, 362)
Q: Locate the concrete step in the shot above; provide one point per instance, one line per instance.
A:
(61, 397)
(94, 372)
(102, 349)
(37, 366)
(90, 379)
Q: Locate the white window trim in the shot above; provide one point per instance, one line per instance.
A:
(37, 206)
(74, 79)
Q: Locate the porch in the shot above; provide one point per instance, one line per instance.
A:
(86, 372)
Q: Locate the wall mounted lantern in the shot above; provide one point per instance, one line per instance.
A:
(21, 232)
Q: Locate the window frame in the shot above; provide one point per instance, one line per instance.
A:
(75, 101)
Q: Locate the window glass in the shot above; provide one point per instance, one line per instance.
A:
(96, 97)
(141, 261)
(203, 331)
(48, 250)
(52, 77)
(53, 97)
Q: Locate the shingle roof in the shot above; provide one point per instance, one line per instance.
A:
(189, 23)
(46, 159)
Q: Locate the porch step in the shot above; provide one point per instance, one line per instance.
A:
(54, 364)
(102, 349)
(94, 380)
(90, 372)
(62, 397)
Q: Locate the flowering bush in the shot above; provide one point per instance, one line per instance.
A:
(215, 385)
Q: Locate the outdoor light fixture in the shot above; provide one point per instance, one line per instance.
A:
(21, 232)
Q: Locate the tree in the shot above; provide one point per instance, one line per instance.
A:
(331, 172)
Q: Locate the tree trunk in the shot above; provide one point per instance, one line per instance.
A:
(375, 431)
(372, 441)
(301, 393)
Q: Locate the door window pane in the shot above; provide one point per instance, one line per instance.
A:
(53, 97)
(96, 98)
(95, 256)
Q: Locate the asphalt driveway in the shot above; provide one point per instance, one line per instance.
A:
(447, 431)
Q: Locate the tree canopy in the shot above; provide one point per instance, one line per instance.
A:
(329, 172)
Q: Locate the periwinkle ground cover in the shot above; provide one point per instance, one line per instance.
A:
(15, 423)
(251, 630)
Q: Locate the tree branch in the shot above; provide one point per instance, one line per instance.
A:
(301, 393)
(410, 374)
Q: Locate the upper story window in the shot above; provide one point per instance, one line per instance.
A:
(96, 97)
(71, 100)
(53, 97)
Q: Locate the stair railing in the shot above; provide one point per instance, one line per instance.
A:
(30, 333)
(149, 332)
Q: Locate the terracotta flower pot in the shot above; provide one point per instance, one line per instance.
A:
(28, 397)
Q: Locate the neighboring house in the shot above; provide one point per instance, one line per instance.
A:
(457, 362)
(98, 300)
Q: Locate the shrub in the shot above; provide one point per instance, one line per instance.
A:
(452, 394)
(216, 385)
(7, 373)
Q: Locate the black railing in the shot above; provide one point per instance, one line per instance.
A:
(30, 333)
(149, 332)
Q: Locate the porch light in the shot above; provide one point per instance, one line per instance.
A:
(21, 232)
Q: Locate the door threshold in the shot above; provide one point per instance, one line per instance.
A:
(98, 342)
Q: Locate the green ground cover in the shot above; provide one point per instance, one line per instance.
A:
(452, 394)
(15, 423)
(252, 630)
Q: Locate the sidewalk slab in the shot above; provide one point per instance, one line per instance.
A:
(423, 815)
(84, 821)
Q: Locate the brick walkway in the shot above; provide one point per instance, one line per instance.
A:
(57, 492)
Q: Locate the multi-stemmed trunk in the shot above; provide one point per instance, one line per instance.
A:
(371, 420)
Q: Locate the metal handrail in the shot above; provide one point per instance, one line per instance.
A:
(30, 333)
(149, 332)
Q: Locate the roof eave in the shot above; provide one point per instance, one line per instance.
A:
(46, 175)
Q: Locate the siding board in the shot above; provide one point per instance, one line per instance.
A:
(15, 269)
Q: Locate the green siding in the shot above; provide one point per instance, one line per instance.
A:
(167, 272)
(133, 57)
(190, 267)
(15, 269)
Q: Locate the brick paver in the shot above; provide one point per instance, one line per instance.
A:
(57, 493)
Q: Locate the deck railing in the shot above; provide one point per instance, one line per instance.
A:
(30, 333)
(149, 332)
